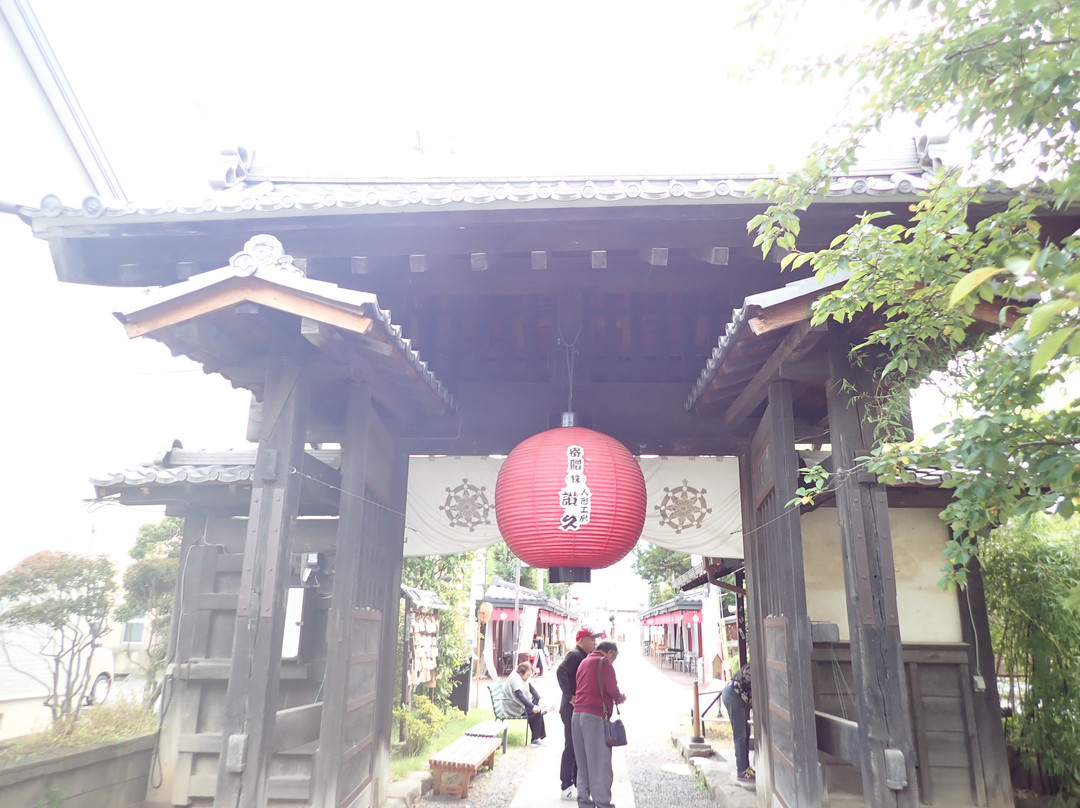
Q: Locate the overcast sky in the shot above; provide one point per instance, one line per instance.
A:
(467, 88)
(373, 89)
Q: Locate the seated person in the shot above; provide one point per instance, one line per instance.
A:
(522, 700)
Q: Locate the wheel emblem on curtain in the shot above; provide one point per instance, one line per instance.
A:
(467, 506)
(683, 507)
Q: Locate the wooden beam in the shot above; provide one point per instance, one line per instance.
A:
(398, 385)
(714, 256)
(738, 590)
(319, 335)
(236, 292)
(838, 736)
(990, 314)
(654, 256)
(782, 315)
(799, 341)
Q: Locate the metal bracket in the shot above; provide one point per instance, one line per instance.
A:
(895, 770)
(236, 754)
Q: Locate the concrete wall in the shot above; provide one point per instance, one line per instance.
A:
(112, 774)
(927, 612)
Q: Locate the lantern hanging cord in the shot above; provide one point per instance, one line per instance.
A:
(571, 355)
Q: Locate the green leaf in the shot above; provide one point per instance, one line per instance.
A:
(1048, 349)
(1040, 317)
(967, 284)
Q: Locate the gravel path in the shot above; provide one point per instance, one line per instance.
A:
(657, 703)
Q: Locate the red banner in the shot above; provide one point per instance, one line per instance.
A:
(673, 618)
(551, 618)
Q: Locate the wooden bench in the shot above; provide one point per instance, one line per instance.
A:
(491, 729)
(453, 768)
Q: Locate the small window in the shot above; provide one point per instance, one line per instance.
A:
(133, 631)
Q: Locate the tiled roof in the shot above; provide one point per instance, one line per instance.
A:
(263, 260)
(178, 466)
(315, 195)
(163, 475)
(502, 594)
(422, 598)
(684, 601)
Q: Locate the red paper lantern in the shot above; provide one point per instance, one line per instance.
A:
(571, 500)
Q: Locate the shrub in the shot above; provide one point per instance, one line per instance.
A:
(1030, 570)
(120, 719)
(422, 723)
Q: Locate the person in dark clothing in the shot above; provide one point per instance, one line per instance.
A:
(567, 676)
(737, 702)
(521, 698)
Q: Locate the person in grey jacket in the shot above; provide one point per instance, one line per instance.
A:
(522, 699)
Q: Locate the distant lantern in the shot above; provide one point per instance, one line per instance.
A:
(571, 500)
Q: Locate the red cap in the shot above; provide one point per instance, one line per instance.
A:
(584, 632)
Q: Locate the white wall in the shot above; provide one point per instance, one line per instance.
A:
(927, 613)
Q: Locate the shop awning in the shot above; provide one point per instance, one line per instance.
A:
(673, 618)
(551, 618)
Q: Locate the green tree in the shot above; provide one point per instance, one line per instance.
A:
(502, 563)
(659, 568)
(1029, 568)
(1007, 75)
(62, 601)
(448, 577)
(149, 590)
(158, 539)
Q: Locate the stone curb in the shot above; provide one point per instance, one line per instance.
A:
(406, 793)
(718, 773)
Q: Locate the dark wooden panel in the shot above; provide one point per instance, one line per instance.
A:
(296, 726)
(948, 750)
(942, 714)
(281, 787)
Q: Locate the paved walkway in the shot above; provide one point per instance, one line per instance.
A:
(649, 773)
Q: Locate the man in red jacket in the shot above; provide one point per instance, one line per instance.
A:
(596, 695)
(567, 676)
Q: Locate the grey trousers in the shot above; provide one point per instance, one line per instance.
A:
(593, 755)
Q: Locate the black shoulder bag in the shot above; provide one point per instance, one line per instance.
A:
(614, 731)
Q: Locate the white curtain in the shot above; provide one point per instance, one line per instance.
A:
(693, 505)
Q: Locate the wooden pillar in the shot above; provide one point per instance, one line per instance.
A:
(255, 668)
(352, 510)
(780, 660)
(988, 732)
(392, 548)
(755, 621)
(886, 751)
